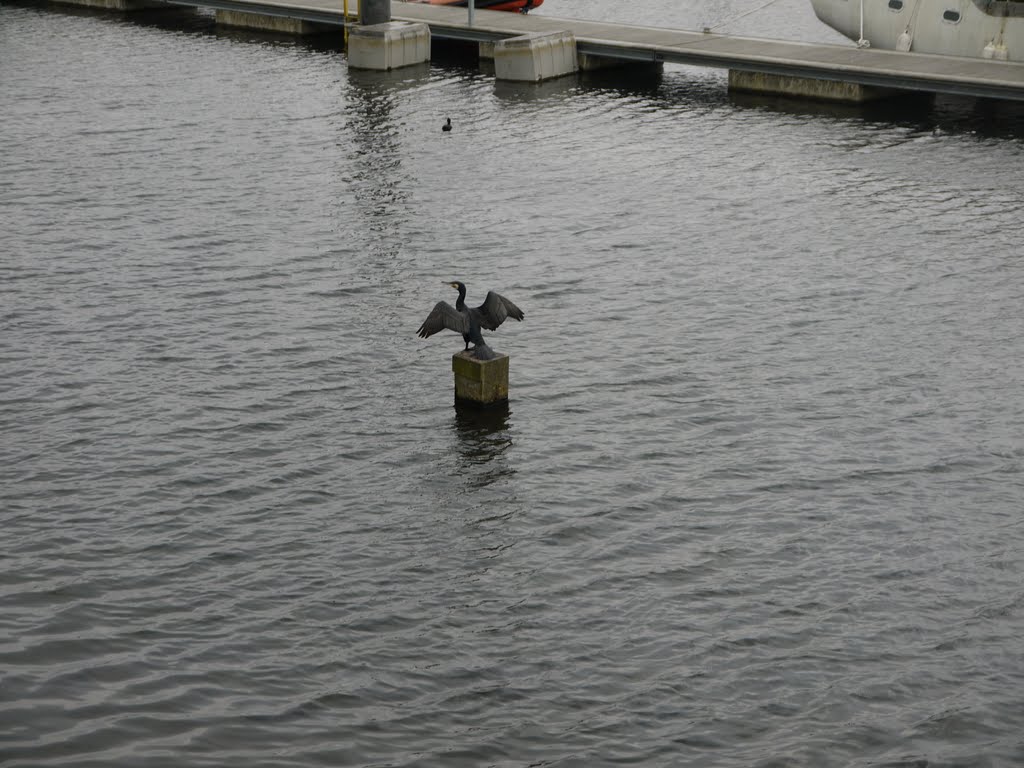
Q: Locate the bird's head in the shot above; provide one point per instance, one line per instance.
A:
(457, 285)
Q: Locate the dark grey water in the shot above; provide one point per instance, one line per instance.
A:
(757, 499)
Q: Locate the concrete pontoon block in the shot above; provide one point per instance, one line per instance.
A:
(805, 87)
(390, 45)
(281, 24)
(117, 5)
(480, 383)
(588, 62)
(535, 56)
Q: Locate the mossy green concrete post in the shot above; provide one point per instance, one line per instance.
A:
(480, 383)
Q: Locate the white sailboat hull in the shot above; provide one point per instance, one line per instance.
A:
(992, 29)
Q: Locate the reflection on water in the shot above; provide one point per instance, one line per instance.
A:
(644, 78)
(375, 169)
(518, 93)
(483, 437)
(922, 112)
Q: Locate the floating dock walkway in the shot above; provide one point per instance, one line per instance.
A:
(753, 63)
(839, 63)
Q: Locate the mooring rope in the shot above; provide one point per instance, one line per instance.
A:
(737, 18)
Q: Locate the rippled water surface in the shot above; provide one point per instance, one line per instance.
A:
(756, 501)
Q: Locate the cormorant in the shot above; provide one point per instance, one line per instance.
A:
(447, 126)
(470, 320)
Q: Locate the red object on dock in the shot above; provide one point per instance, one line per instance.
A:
(520, 6)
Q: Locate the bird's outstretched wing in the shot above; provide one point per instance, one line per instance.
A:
(495, 309)
(442, 316)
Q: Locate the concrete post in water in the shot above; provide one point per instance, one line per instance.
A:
(480, 383)
(390, 45)
(374, 12)
(377, 42)
(535, 56)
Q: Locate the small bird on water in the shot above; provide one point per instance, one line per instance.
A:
(469, 320)
(447, 126)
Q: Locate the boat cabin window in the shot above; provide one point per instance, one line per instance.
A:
(951, 16)
(896, 5)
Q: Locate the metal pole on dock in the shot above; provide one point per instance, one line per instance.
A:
(472, 7)
(374, 12)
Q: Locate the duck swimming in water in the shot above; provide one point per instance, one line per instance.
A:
(447, 126)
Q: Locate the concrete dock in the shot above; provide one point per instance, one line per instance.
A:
(753, 63)
(839, 63)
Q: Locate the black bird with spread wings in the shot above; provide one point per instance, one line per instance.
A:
(470, 320)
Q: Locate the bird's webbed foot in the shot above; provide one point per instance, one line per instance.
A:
(483, 352)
